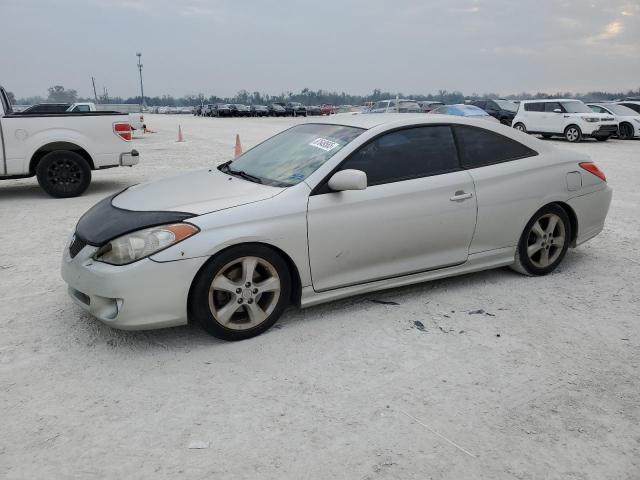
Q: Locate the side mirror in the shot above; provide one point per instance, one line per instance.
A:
(557, 110)
(348, 180)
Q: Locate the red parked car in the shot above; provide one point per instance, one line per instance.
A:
(328, 109)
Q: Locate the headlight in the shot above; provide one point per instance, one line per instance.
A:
(591, 119)
(138, 245)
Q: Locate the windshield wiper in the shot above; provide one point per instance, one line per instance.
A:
(239, 173)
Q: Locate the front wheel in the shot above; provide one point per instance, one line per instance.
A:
(602, 138)
(241, 292)
(63, 174)
(626, 131)
(544, 242)
(573, 134)
(520, 127)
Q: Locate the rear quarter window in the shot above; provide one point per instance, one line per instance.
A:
(479, 147)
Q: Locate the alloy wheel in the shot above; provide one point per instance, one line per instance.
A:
(64, 174)
(573, 134)
(546, 240)
(244, 293)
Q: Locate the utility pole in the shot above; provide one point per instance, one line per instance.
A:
(139, 55)
(95, 95)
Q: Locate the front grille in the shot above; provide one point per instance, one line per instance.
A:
(77, 244)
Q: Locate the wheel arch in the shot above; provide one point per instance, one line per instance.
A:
(573, 219)
(296, 282)
(56, 146)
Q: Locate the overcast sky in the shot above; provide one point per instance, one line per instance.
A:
(222, 46)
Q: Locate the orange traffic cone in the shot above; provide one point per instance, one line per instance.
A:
(180, 139)
(237, 151)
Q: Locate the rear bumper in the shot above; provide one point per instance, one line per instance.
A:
(591, 211)
(129, 159)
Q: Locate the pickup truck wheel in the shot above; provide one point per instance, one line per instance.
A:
(63, 174)
(602, 138)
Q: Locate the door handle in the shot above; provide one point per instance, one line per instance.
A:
(460, 196)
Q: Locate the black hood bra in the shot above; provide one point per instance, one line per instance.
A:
(104, 222)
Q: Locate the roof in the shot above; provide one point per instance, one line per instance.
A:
(369, 120)
(551, 100)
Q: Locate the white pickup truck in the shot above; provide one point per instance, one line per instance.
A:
(61, 149)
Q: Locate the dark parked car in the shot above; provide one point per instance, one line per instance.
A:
(314, 110)
(222, 110)
(239, 110)
(295, 109)
(197, 110)
(259, 110)
(47, 108)
(277, 110)
(501, 110)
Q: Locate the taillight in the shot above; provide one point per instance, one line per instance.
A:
(593, 168)
(123, 130)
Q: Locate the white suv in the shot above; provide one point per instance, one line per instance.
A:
(571, 119)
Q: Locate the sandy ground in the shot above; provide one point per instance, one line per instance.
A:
(545, 384)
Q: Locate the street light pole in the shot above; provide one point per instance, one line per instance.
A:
(139, 55)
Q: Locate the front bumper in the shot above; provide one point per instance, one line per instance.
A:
(142, 295)
(129, 159)
(603, 130)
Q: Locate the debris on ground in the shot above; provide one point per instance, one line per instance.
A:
(420, 326)
(481, 312)
(198, 445)
(384, 302)
(446, 330)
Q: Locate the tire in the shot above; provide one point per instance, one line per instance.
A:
(573, 134)
(63, 174)
(602, 138)
(546, 135)
(520, 127)
(222, 292)
(544, 242)
(626, 131)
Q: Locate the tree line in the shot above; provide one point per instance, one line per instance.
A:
(58, 94)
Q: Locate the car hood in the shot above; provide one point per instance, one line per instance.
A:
(197, 192)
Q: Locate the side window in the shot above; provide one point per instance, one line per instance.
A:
(480, 104)
(552, 106)
(405, 154)
(480, 147)
(534, 107)
(597, 109)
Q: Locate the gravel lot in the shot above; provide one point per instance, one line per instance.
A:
(541, 382)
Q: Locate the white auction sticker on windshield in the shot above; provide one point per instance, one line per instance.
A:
(324, 144)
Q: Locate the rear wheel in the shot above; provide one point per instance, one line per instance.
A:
(544, 242)
(520, 127)
(63, 174)
(241, 292)
(573, 134)
(602, 138)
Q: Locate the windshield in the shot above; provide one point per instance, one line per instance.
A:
(507, 105)
(291, 156)
(409, 104)
(576, 107)
(620, 110)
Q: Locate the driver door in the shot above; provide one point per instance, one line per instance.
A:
(417, 213)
